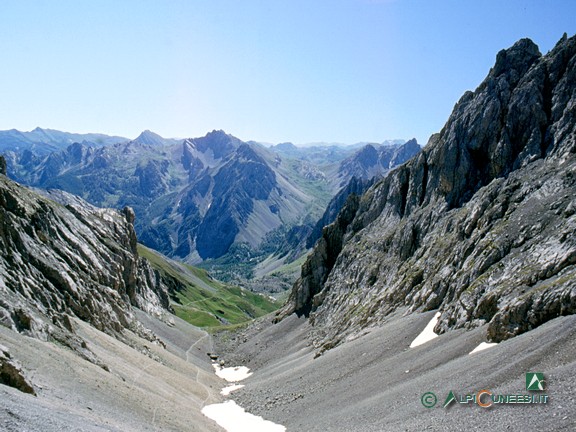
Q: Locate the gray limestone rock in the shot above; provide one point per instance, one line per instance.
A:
(11, 373)
(479, 225)
(62, 258)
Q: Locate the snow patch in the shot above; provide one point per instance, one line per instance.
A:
(428, 332)
(234, 418)
(231, 416)
(232, 374)
(227, 390)
(483, 346)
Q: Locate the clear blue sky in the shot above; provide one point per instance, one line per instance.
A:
(267, 70)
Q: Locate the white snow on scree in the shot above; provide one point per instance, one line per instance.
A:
(428, 332)
(482, 346)
(234, 418)
(230, 415)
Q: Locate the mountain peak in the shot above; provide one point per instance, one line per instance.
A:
(411, 142)
(149, 138)
(286, 146)
(367, 155)
(519, 57)
(217, 133)
(221, 143)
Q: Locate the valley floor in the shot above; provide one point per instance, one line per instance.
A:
(376, 382)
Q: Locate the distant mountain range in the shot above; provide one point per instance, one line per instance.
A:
(215, 198)
(45, 141)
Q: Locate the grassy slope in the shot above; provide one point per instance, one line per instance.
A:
(205, 302)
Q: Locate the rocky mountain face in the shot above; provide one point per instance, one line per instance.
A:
(61, 257)
(84, 323)
(238, 186)
(355, 187)
(479, 225)
(232, 193)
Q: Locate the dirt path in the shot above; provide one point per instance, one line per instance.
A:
(208, 393)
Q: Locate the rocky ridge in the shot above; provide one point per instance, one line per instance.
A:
(70, 259)
(479, 225)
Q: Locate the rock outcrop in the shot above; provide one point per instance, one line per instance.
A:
(479, 225)
(2, 165)
(308, 292)
(11, 373)
(70, 259)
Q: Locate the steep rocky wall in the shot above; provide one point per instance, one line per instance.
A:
(355, 186)
(70, 259)
(480, 224)
(308, 290)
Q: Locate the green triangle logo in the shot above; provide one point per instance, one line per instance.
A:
(451, 398)
(535, 381)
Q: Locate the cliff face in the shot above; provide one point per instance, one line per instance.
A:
(364, 168)
(356, 186)
(479, 225)
(69, 259)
